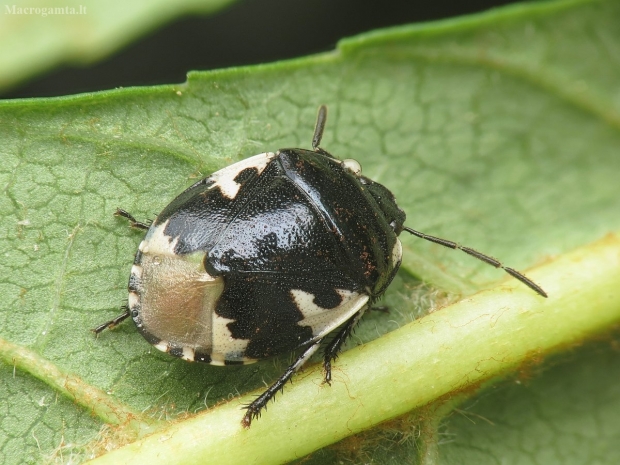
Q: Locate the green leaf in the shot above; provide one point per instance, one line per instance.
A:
(499, 131)
(36, 35)
(439, 356)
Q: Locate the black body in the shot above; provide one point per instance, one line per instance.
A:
(305, 222)
(269, 255)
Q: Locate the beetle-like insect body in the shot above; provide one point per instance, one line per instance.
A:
(266, 256)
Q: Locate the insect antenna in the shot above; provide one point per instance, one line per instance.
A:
(480, 256)
(320, 126)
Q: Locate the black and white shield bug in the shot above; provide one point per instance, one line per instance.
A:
(267, 256)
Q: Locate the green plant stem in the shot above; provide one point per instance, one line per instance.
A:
(449, 351)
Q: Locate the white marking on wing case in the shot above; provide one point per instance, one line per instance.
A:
(223, 340)
(224, 179)
(157, 242)
(324, 320)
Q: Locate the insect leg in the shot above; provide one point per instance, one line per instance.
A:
(482, 257)
(334, 346)
(132, 221)
(253, 409)
(112, 323)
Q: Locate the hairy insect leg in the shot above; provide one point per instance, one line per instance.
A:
(334, 346)
(380, 308)
(254, 409)
(132, 221)
(112, 323)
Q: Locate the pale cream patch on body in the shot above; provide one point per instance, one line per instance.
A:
(223, 341)
(224, 179)
(397, 252)
(324, 320)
